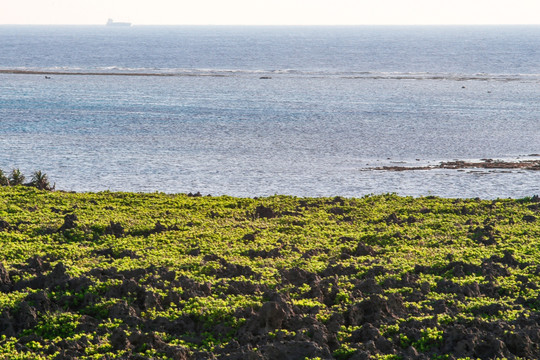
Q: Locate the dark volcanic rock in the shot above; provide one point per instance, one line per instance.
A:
(450, 287)
(336, 211)
(264, 212)
(40, 301)
(26, 316)
(312, 252)
(119, 340)
(230, 270)
(298, 277)
(245, 287)
(127, 253)
(265, 254)
(364, 250)
(490, 347)
(115, 229)
(249, 237)
(365, 333)
(506, 259)
(375, 310)
(7, 323)
(369, 286)
(520, 344)
(485, 235)
(5, 281)
(38, 265)
(293, 350)
(393, 219)
(4, 225)
(57, 277)
(69, 222)
(272, 314)
(159, 227)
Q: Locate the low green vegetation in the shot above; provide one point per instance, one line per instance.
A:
(158, 276)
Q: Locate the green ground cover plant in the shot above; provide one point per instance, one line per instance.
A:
(160, 276)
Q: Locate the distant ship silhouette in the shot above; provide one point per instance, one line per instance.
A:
(110, 22)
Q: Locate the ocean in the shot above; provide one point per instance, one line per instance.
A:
(257, 111)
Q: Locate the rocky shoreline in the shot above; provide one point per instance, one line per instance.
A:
(91, 73)
(460, 164)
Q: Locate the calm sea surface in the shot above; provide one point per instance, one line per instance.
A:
(250, 111)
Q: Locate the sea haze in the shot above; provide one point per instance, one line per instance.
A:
(251, 111)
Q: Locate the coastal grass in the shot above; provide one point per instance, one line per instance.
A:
(152, 275)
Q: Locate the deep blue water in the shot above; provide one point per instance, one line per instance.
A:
(336, 102)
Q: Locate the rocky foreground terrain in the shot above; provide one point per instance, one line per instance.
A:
(157, 276)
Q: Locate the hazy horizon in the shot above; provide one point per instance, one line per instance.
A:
(276, 12)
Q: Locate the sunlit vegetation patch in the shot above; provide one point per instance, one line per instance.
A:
(157, 276)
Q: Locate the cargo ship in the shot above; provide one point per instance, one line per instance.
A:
(111, 22)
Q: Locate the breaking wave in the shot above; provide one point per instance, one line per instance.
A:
(358, 75)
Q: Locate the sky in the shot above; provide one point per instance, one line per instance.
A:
(271, 12)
